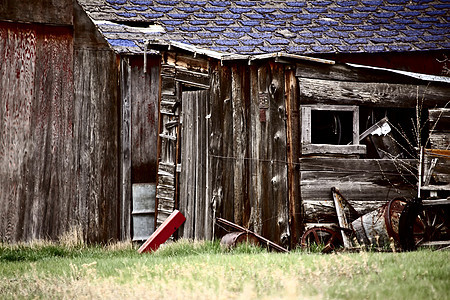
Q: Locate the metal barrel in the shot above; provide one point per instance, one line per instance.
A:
(143, 210)
(232, 239)
(379, 226)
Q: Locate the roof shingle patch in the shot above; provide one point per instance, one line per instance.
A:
(255, 27)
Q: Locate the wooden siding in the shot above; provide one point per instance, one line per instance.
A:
(101, 213)
(247, 155)
(439, 122)
(97, 146)
(365, 183)
(37, 180)
(439, 175)
(144, 95)
(59, 131)
(168, 150)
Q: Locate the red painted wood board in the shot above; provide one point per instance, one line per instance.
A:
(164, 231)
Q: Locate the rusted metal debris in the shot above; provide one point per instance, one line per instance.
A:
(235, 238)
(376, 228)
(261, 239)
(321, 235)
(381, 225)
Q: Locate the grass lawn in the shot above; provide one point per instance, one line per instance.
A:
(203, 270)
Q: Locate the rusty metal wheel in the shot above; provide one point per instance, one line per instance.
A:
(424, 225)
(431, 224)
(321, 237)
(392, 217)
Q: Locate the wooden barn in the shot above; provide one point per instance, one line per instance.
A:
(246, 110)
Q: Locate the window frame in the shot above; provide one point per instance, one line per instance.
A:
(309, 148)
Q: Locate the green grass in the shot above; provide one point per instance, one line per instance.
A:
(204, 270)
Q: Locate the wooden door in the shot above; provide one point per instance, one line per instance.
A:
(192, 194)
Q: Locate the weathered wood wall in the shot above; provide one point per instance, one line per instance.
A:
(437, 161)
(144, 95)
(37, 131)
(59, 129)
(439, 120)
(365, 183)
(96, 148)
(247, 153)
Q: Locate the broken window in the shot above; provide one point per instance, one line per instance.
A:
(331, 129)
(392, 132)
(374, 132)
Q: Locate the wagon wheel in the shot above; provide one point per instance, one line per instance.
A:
(431, 224)
(321, 236)
(392, 217)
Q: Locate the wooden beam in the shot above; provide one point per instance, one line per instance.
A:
(333, 149)
(371, 93)
(343, 72)
(191, 77)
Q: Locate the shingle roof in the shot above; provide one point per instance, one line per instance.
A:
(296, 27)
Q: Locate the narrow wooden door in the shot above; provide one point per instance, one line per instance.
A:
(192, 194)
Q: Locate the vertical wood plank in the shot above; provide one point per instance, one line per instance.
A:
(237, 104)
(279, 171)
(271, 156)
(356, 126)
(293, 154)
(144, 117)
(220, 138)
(306, 125)
(187, 175)
(201, 203)
(126, 121)
(256, 222)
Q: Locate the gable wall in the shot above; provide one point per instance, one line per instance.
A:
(59, 128)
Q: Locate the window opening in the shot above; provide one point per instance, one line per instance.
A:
(331, 127)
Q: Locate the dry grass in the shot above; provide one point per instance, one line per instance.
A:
(201, 270)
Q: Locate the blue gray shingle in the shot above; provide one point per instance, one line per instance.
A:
(300, 27)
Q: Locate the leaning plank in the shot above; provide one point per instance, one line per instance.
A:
(164, 231)
(342, 218)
